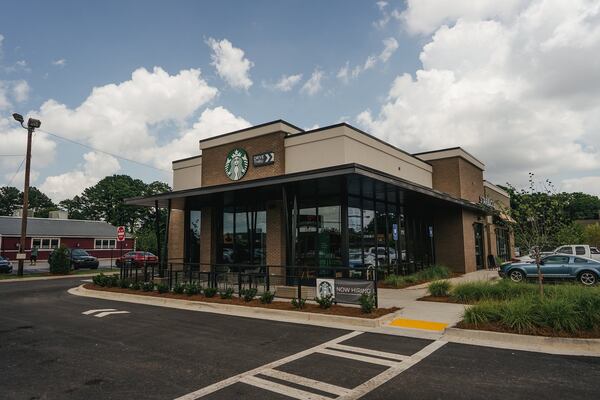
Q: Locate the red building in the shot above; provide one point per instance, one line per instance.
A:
(96, 237)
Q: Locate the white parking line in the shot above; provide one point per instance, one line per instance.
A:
(88, 312)
(390, 373)
(282, 389)
(369, 352)
(358, 357)
(332, 348)
(236, 378)
(300, 380)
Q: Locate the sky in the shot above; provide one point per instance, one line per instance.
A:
(125, 87)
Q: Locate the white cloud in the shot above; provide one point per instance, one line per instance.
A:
(586, 184)
(313, 85)
(61, 62)
(517, 89)
(69, 184)
(211, 122)
(20, 91)
(230, 63)
(4, 102)
(287, 83)
(346, 73)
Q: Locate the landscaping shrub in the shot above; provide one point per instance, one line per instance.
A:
(60, 261)
(298, 303)
(367, 303)
(112, 280)
(226, 294)
(248, 294)
(124, 283)
(179, 288)
(192, 288)
(519, 314)
(482, 313)
(210, 292)
(435, 272)
(267, 297)
(439, 288)
(147, 286)
(162, 288)
(100, 279)
(136, 285)
(471, 292)
(325, 302)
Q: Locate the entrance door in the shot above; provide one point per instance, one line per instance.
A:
(478, 228)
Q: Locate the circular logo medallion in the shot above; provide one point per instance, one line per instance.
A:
(236, 164)
(325, 289)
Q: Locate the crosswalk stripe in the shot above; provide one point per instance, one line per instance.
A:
(300, 380)
(358, 357)
(369, 352)
(104, 314)
(88, 312)
(282, 389)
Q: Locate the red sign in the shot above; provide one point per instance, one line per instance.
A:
(121, 233)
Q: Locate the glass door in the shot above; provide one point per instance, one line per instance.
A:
(478, 228)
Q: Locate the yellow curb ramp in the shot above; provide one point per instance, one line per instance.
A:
(418, 324)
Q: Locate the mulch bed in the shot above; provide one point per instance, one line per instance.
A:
(440, 299)
(275, 305)
(535, 332)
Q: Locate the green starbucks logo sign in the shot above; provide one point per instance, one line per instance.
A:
(236, 164)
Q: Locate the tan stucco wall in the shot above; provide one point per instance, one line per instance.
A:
(501, 200)
(248, 134)
(343, 145)
(187, 174)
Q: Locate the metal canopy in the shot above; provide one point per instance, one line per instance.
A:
(163, 198)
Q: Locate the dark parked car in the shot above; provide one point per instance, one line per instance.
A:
(5, 266)
(555, 266)
(137, 259)
(81, 259)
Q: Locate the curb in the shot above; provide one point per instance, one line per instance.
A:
(540, 344)
(335, 321)
(50, 277)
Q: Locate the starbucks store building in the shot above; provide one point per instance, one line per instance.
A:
(334, 199)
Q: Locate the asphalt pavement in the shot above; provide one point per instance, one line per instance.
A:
(54, 345)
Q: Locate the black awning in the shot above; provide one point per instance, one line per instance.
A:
(163, 198)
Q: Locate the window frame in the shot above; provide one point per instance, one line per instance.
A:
(111, 245)
(48, 240)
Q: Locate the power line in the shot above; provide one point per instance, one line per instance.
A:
(15, 175)
(102, 151)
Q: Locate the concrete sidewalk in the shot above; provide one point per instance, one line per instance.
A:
(425, 314)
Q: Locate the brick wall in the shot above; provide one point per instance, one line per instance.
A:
(276, 249)
(176, 235)
(448, 238)
(213, 159)
(471, 181)
(446, 172)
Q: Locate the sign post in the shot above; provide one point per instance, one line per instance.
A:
(121, 239)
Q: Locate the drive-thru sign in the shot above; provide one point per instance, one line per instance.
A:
(121, 233)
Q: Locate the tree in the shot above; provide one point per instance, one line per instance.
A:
(539, 214)
(39, 203)
(10, 200)
(591, 234)
(571, 233)
(74, 207)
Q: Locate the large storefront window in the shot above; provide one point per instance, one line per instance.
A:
(243, 239)
(193, 236)
(502, 243)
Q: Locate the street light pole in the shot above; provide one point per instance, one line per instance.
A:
(31, 125)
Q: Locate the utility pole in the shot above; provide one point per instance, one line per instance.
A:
(31, 125)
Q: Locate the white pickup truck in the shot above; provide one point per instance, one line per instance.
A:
(579, 250)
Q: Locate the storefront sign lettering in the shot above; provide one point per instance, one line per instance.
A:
(260, 160)
(486, 201)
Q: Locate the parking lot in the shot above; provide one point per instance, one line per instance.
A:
(55, 345)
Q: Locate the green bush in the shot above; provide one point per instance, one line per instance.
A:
(179, 288)
(124, 283)
(248, 294)
(191, 288)
(210, 292)
(435, 272)
(226, 294)
(162, 288)
(298, 303)
(325, 302)
(99, 280)
(147, 286)
(60, 261)
(136, 285)
(267, 297)
(482, 313)
(471, 292)
(367, 303)
(439, 288)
